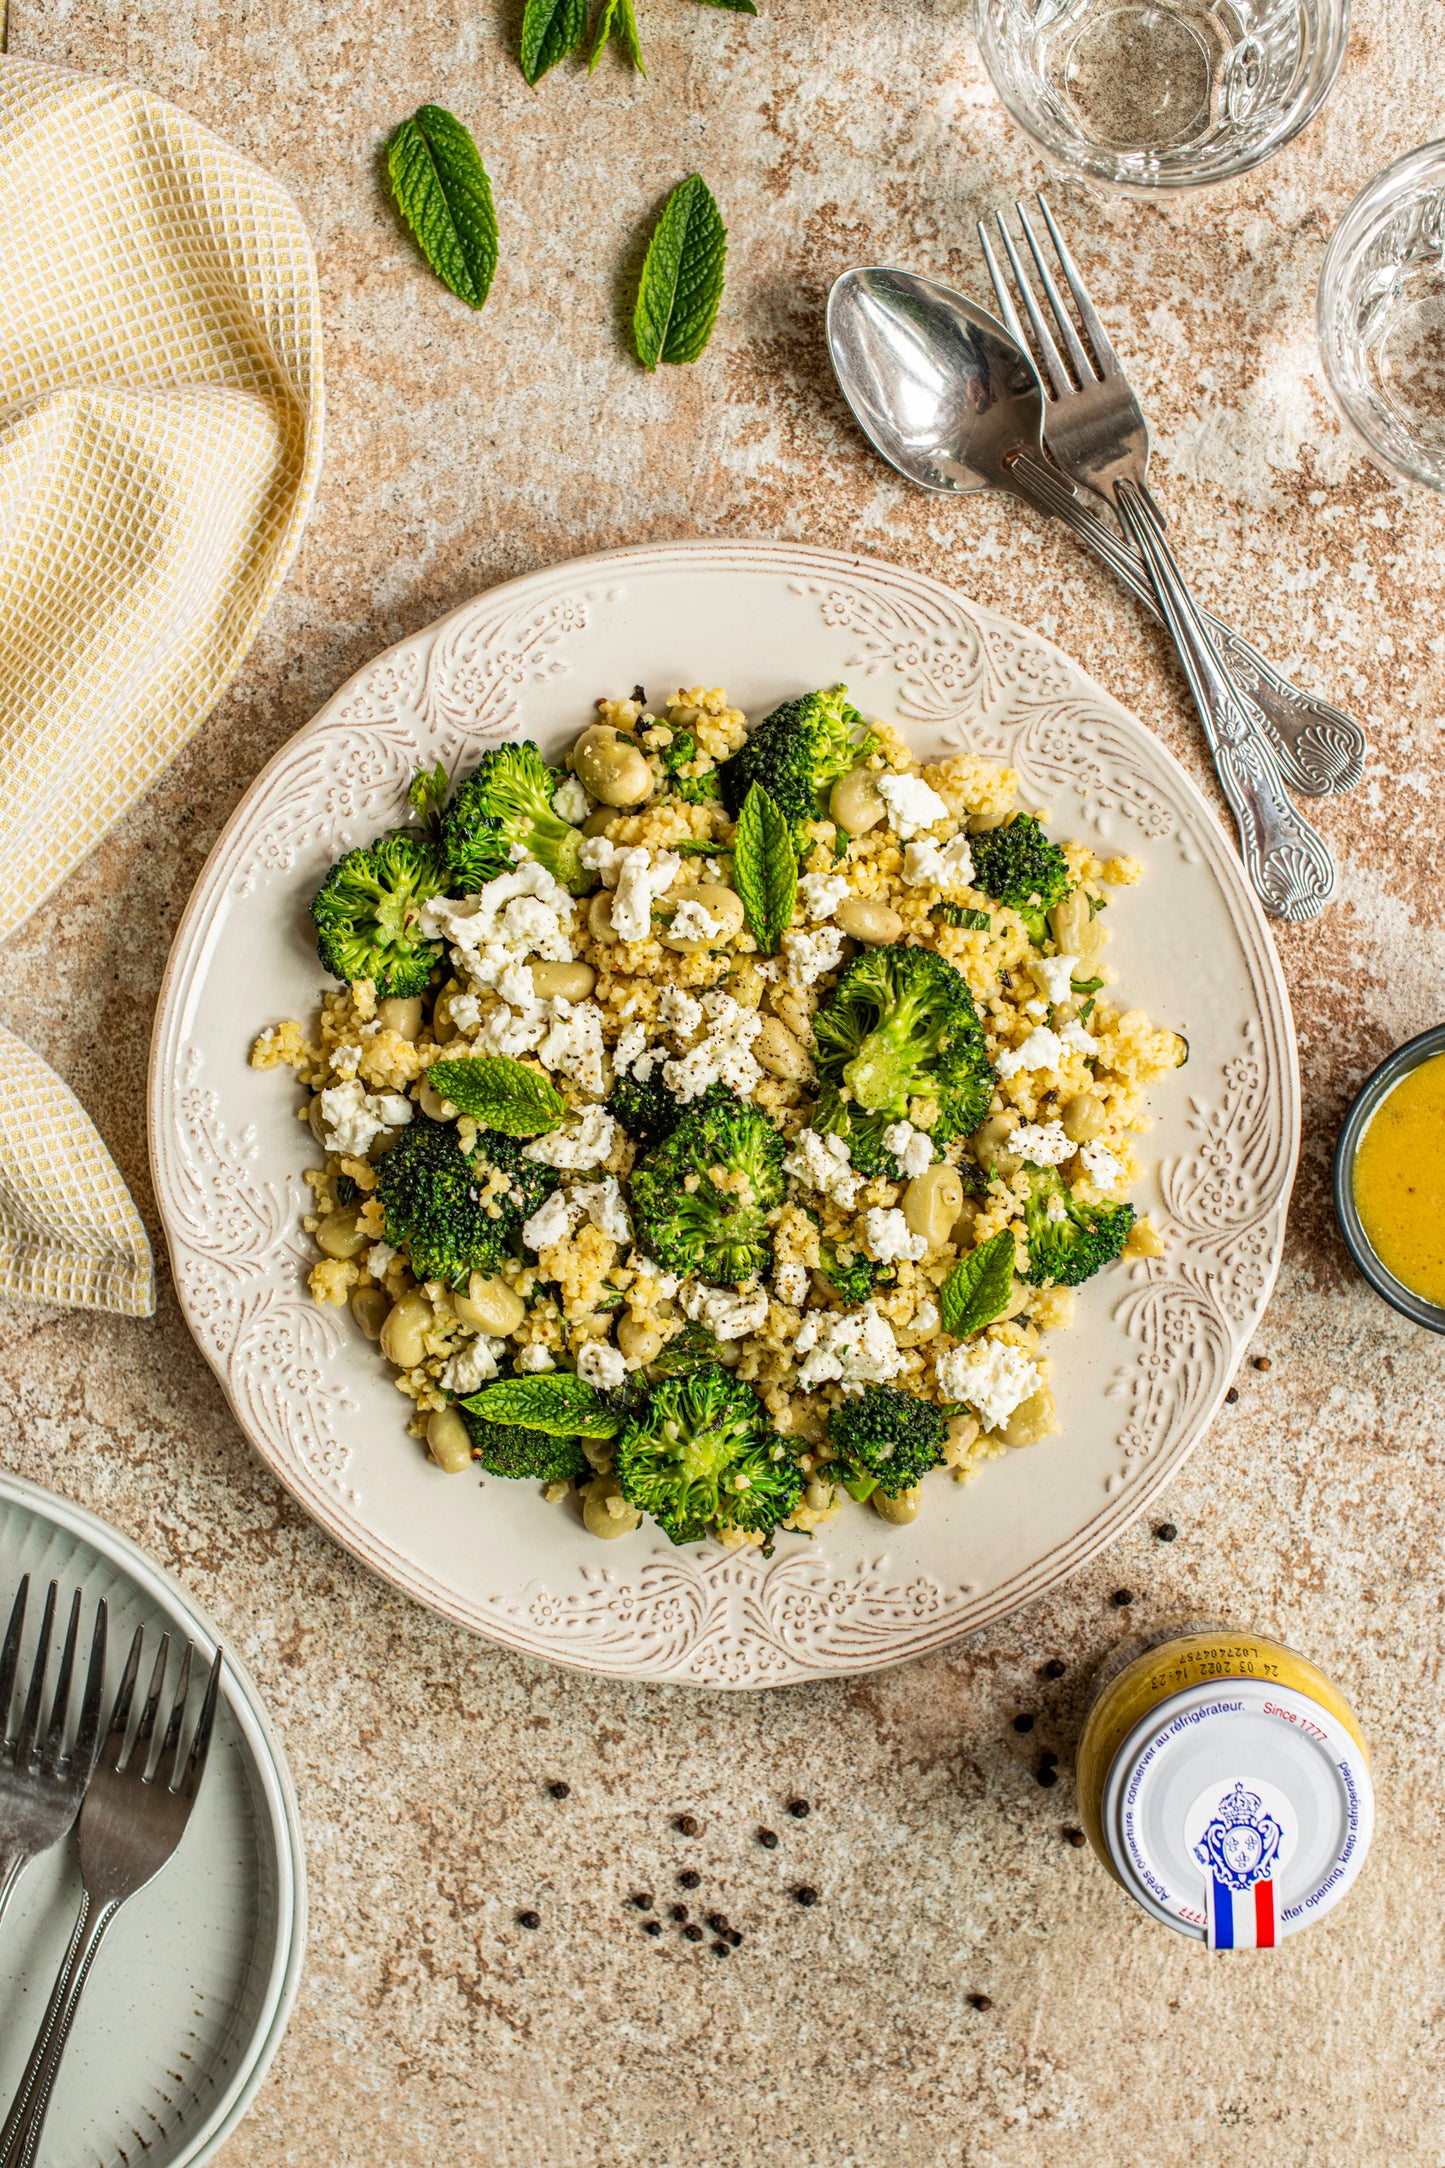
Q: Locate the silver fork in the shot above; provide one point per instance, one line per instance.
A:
(132, 1820)
(1097, 433)
(41, 1785)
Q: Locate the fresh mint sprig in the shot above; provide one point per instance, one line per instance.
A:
(500, 1094)
(563, 1405)
(682, 277)
(978, 1288)
(443, 193)
(765, 868)
(551, 29)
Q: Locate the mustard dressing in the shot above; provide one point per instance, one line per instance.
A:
(1399, 1180)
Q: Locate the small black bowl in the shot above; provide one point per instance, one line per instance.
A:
(1378, 1087)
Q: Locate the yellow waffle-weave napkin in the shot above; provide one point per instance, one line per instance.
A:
(160, 442)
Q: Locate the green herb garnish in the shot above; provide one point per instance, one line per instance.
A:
(682, 277)
(958, 914)
(765, 868)
(443, 193)
(978, 1288)
(564, 1405)
(500, 1094)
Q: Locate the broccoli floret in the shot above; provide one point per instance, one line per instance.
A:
(797, 753)
(506, 800)
(693, 789)
(694, 1348)
(900, 1026)
(1019, 866)
(367, 914)
(432, 1196)
(699, 1452)
(719, 1233)
(1069, 1241)
(524, 1455)
(857, 1279)
(649, 1112)
(885, 1440)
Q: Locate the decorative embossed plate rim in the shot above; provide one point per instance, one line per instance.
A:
(1156, 1346)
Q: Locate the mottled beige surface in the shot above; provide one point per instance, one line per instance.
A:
(430, 2028)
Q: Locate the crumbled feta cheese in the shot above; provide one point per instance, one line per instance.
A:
(1042, 1049)
(1053, 975)
(912, 1148)
(571, 802)
(632, 1043)
(344, 1062)
(857, 1349)
(890, 1238)
(602, 1366)
(353, 1119)
(1074, 1035)
(551, 1222)
(466, 1012)
(722, 1055)
(790, 1284)
(505, 1030)
(1044, 1144)
(648, 1268)
(1105, 1171)
(520, 914)
(826, 1164)
(533, 1359)
(1036, 1008)
(379, 1259)
(911, 804)
(822, 893)
(925, 1318)
(602, 857)
(470, 1367)
(641, 879)
(927, 864)
(603, 1204)
(727, 1316)
(809, 955)
(692, 921)
(992, 1377)
(574, 1042)
(585, 1146)
(678, 1012)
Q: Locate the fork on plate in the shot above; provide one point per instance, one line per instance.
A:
(1095, 430)
(135, 1814)
(42, 1779)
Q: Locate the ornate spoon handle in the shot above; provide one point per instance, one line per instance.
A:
(1320, 750)
(1288, 862)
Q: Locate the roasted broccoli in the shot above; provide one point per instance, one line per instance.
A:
(900, 1027)
(797, 753)
(439, 1201)
(1069, 1241)
(885, 1440)
(701, 1197)
(699, 1452)
(524, 1455)
(683, 753)
(1019, 866)
(649, 1111)
(855, 1278)
(506, 801)
(368, 914)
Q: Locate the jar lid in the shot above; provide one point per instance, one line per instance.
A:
(1238, 1812)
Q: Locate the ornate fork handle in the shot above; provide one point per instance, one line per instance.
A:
(1289, 866)
(1320, 749)
(20, 2137)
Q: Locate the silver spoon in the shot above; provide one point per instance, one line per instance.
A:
(942, 390)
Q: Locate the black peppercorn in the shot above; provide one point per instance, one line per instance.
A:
(1166, 1532)
(1074, 1837)
(687, 1824)
(1046, 1774)
(652, 1927)
(1232, 1395)
(799, 1809)
(720, 1949)
(678, 1912)
(1047, 1756)
(643, 1900)
(689, 1878)
(734, 1938)
(981, 2002)
(768, 1839)
(1055, 1668)
(529, 1919)
(718, 1922)
(1023, 1722)
(806, 1895)
(560, 1791)
(1122, 1598)
(694, 1934)
(1262, 1362)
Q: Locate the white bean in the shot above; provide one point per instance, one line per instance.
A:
(563, 982)
(401, 1013)
(723, 905)
(448, 1440)
(369, 1307)
(900, 1510)
(490, 1306)
(639, 1343)
(605, 1512)
(857, 803)
(932, 1202)
(872, 923)
(339, 1235)
(610, 767)
(403, 1334)
(776, 1050)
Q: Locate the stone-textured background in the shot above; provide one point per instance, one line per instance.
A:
(463, 449)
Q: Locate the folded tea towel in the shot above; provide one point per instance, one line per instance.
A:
(160, 443)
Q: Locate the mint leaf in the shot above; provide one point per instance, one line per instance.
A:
(978, 1288)
(562, 1405)
(617, 19)
(739, 7)
(765, 868)
(551, 29)
(500, 1094)
(443, 193)
(682, 278)
(1085, 986)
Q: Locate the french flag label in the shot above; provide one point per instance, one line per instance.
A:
(1239, 1852)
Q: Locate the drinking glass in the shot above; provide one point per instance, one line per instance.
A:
(1142, 95)
(1380, 312)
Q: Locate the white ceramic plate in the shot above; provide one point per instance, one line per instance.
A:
(195, 1980)
(1137, 1378)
